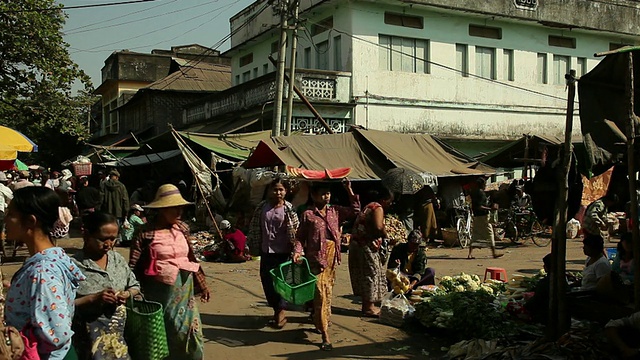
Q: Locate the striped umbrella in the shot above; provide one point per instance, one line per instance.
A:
(12, 141)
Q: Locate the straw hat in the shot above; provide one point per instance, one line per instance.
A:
(168, 195)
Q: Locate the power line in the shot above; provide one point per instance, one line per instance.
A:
(117, 17)
(199, 58)
(101, 48)
(438, 64)
(57, 8)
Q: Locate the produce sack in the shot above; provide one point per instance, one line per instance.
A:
(395, 309)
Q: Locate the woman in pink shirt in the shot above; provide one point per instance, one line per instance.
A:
(319, 234)
(164, 262)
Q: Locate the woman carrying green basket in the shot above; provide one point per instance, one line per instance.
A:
(319, 234)
(164, 262)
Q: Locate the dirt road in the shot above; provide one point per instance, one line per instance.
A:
(234, 321)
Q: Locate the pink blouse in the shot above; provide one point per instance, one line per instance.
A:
(171, 252)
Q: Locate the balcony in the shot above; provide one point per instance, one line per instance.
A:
(318, 86)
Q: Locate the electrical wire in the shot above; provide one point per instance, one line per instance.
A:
(449, 68)
(87, 6)
(199, 58)
(101, 48)
(75, 30)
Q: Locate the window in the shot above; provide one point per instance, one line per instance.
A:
(322, 26)
(255, 72)
(237, 79)
(562, 41)
(265, 69)
(581, 67)
(246, 76)
(246, 60)
(111, 126)
(337, 53)
(415, 22)
(275, 46)
(462, 59)
(307, 58)
(485, 62)
(541, 68)
(507, 64)
(322, 58)
(561, 67)
(485, 31)
(404, 54)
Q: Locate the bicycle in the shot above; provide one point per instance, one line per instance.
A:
(505, 226)
(462, 221)
(529, 227)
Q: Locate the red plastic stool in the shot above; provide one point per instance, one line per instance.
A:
(496, 274)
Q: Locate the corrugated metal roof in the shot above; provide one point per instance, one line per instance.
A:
(195, 77)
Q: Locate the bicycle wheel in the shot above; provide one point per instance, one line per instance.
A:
(537, 233)
(464, 236)
(511, 232)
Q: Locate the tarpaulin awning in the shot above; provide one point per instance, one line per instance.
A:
(604, 106)
(143, 159)
(234, 146)
(368, 153)
(420, 153)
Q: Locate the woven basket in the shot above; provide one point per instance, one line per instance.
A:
(450, 236)
(82, 169)
(145, 331)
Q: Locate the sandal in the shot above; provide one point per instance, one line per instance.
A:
(471, 257)
(326, 346)
(277, 325)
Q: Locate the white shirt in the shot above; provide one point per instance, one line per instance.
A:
(592, 273)
(5, 196)
(631, 321)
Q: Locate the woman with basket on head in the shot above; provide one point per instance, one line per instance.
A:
(164, 262)
(100, 311)
(366, 265)
(319, 234)
(272, 232)
(40, 301)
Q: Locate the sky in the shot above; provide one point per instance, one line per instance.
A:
(94, 33)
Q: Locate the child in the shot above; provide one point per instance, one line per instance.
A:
(135, 220)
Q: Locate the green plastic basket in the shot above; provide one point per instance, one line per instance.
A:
(294, 282)
(145, 330)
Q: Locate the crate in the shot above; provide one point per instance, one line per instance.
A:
(82, 169)
(294, 282)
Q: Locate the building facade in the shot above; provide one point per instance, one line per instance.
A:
(471, 69)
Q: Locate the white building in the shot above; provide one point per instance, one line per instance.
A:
(474, 69)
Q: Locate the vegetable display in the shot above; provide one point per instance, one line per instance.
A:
(399, 283)
(396, 232)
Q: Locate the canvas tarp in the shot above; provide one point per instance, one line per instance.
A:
(420, 153)
(368, 153)
(234, 146)
(316, 152)
(604, 106)
(143, 159)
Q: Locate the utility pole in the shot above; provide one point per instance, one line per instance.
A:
(292, 68)
(277, 113)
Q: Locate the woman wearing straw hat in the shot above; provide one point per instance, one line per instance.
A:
(169, 273)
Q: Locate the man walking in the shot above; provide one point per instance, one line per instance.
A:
(115, 198)
(482, 232)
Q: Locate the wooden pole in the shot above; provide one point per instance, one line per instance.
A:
(559, 317)
(633, 195)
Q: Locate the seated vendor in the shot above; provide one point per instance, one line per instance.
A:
(596, 266)
(234, 243)
(411, 259)
(538, 305)
(623, 264)
(623, 334)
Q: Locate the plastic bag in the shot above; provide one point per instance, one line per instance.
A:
(395, 309)
(573, 227)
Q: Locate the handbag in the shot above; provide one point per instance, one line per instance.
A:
(11, 344)
(152, 269)
(145, 331)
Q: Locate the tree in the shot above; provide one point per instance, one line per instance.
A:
(36, 79)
